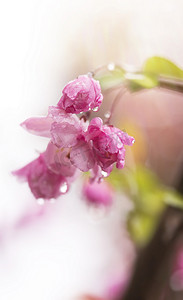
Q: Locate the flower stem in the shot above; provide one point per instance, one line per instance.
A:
(114, 104)
(152, 270)
(153, 265)
(171, 84)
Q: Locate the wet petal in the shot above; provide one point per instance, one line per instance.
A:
(82, 156)
(58, 161)
(38, 126)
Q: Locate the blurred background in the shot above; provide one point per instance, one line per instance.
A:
(67, 249)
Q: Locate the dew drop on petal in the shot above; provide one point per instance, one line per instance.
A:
(89, 74)
(40, 201)
(52, 200)
(64, 188)
(105, 174)
(96, 108)
(107, 114)
(111, 66)
(97, 214)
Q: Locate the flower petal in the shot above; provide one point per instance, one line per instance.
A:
(57, 160)
(38, 126)
(82, 156)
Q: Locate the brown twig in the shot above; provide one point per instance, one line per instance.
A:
(114, 104)
(152, 269)
(171, 84)
(153, 264)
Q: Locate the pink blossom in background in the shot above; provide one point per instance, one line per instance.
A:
(81, 95)
(89, 297)
(176, 280)
(98, 193)
(117, 289)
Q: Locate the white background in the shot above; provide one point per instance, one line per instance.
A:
(70, 250)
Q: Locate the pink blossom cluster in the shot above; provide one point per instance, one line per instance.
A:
(75, 144)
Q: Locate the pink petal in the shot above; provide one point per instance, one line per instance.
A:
(126, 139)
(98, 193)
(38, 126)
(64, 134)
(82, 156)
(57, 160)
(42, 181)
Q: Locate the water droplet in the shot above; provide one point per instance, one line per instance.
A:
(107, 114)
(111, 66)
(96, 108)
(97, 214)
(52, 200)
(105, 174)
(64, 188)
(90, 74)
(40, 201)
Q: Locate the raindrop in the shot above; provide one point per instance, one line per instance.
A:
(111, 66)
(64, 188)
(90, 74)
(107, 114)
(96, 108)
(105, 174)
(40, 201)
(52, 200)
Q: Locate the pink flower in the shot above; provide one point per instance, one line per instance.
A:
(58, 160)
(90, 297)
(74, 144)
(108, 144)
(56, 120)
(81, 155)
(98, 193)
(67, 133)
(176, 280)
(42, 181)
(66, 129)
(81, 95)
(117, 289)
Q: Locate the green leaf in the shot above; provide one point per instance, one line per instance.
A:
(141, 227)
(137, 82)
(163, 67)
(110, 78)
(172, 198)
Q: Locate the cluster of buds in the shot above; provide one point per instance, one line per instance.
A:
(75, 143)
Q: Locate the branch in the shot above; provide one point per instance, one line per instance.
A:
(154, 262)
(171, 84)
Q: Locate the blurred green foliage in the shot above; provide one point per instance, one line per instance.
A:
(139, 81)
(162, 67)
(149, 198)
(148, 78)
(110, 78)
